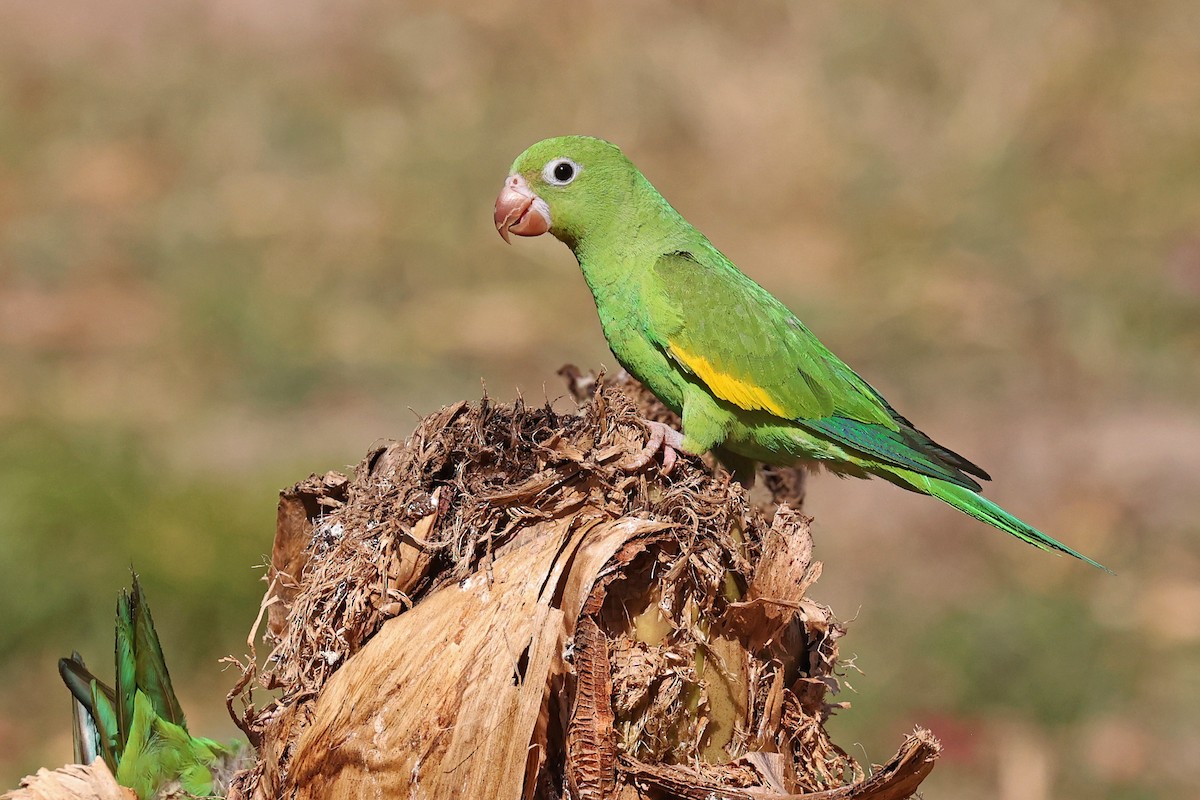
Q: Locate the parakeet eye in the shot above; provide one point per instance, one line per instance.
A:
(561, 171)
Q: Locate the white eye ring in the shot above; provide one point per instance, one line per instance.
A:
(561, 171)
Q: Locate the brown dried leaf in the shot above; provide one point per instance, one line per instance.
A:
(784, 572)
(591, 749)
(897, 780)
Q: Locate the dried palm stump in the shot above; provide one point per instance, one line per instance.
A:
(497, 608)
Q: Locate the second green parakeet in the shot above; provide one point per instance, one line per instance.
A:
(749, 380)
(138, 727)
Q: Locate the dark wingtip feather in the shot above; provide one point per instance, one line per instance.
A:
(923, 442)
(906, 448)
(953, 459)
(94, 730)
(79, 680)
(77, 677)
(85, 739)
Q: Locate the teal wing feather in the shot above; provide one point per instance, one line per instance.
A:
(750, 350)
(104, 715)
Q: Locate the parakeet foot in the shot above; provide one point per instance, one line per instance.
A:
(662, 437)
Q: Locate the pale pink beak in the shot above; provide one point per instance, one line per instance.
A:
(519, 210)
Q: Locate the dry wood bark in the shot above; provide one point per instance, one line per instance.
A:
(494, 609)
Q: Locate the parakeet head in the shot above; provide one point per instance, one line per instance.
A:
(568, 185)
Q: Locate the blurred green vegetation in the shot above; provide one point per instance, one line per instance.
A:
(239, 241)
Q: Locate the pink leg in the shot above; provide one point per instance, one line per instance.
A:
(669, 458)
(662, 437)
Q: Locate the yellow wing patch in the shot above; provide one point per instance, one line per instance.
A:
(725, 386)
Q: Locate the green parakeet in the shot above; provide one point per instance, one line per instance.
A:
(749, 380)
(138, 727)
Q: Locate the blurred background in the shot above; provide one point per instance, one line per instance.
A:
(240, 240)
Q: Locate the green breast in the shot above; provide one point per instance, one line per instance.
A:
(624, 326)
(645, 362)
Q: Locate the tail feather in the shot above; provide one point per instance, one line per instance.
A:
(984, 510)
(151, 666)
(126, 663)
(104, 714)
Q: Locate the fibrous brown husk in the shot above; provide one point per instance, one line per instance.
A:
(72, 782)
(498, 608)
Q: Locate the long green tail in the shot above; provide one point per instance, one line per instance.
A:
(984, 510)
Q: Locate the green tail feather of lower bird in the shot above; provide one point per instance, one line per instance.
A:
(984, 510)
(138, 727)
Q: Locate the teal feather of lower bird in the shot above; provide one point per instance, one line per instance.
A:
(137, 726)
(749, 380)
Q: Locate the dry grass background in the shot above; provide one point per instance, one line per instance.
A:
(240, 240)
